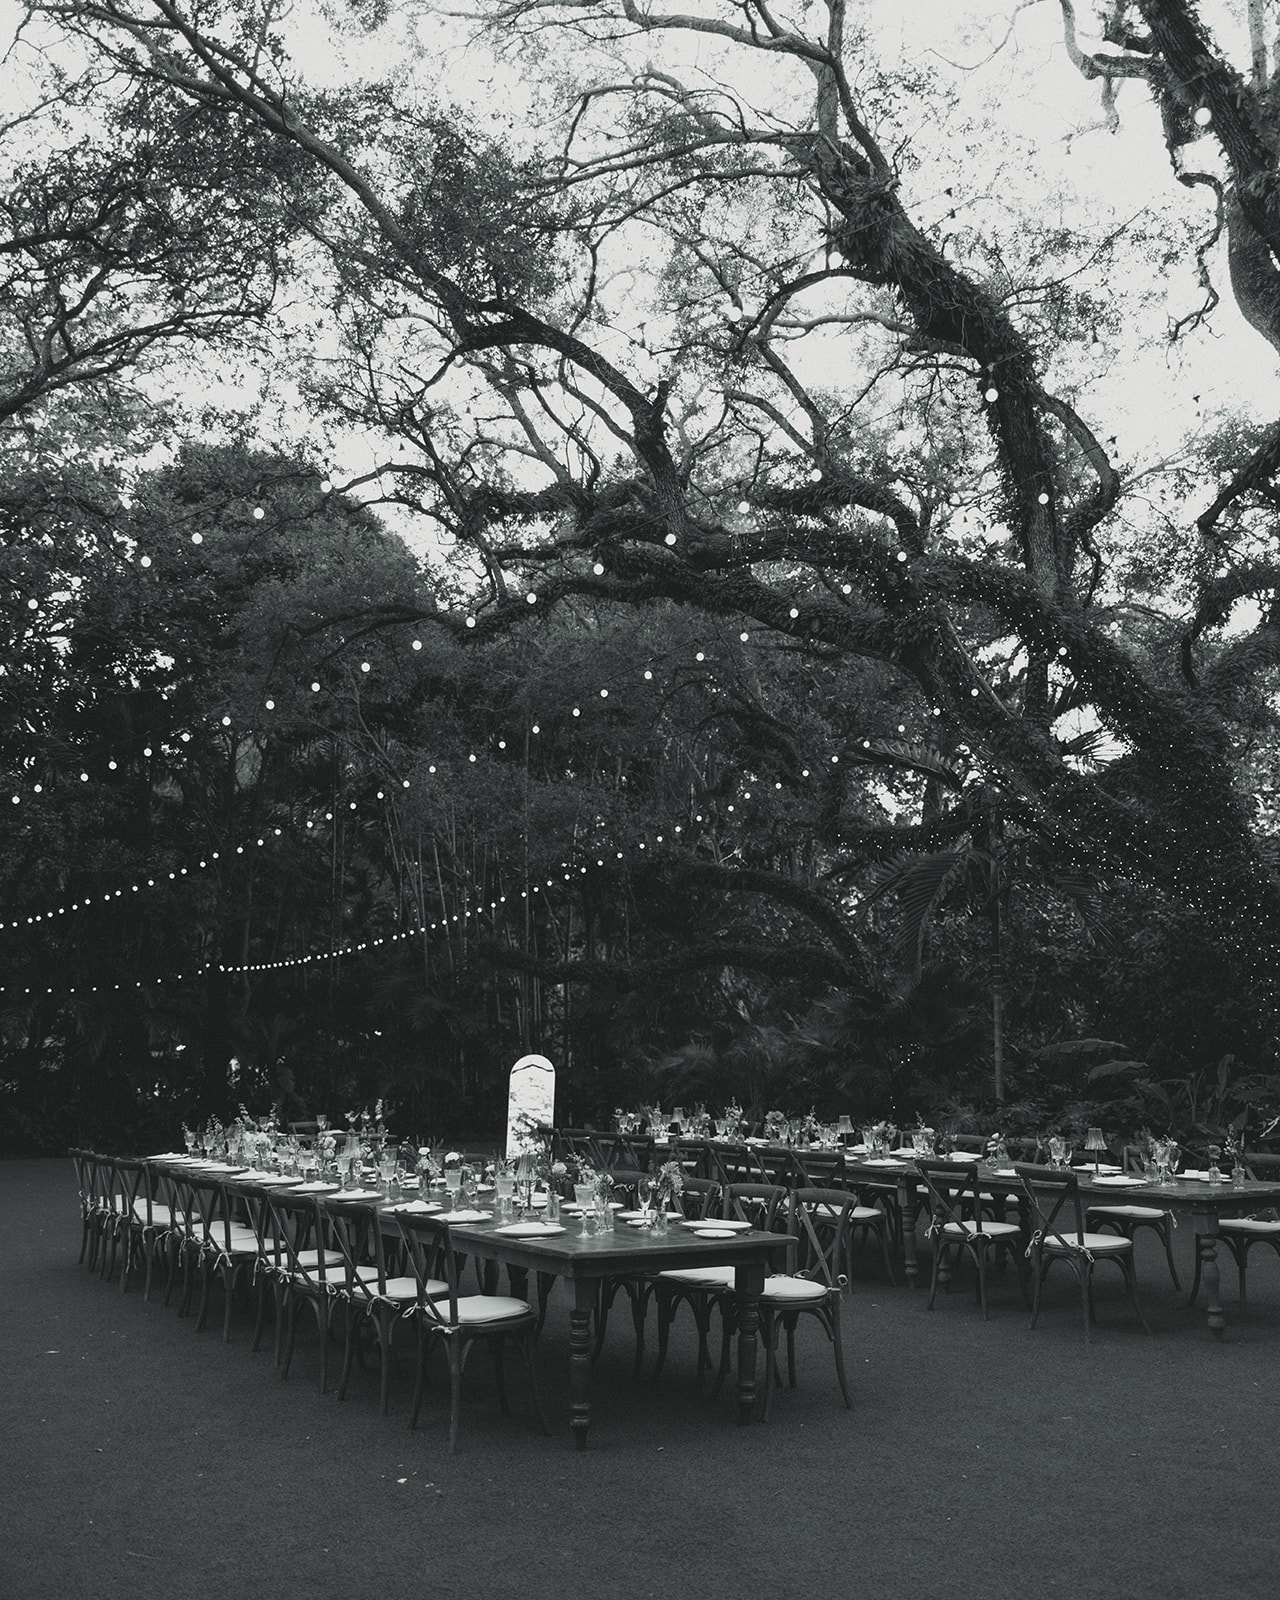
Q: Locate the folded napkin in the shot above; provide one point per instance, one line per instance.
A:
(530, 1230)
(419, 1206)
(1119, 1180)
(358, 1194)
(467, 1216)
(317, 1188)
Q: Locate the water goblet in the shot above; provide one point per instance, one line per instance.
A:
(453, 1185)
(189, 1139)
(585, 1195)
(644, 1195)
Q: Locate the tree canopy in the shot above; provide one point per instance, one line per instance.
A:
(840, 565)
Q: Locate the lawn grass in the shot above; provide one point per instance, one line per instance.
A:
(980, 1459)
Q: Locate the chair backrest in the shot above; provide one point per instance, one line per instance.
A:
(583, 1143)
(1054, 1198)
(623, 1181)
(631, 1150)
(756, 1203)
(700, 1198)
(953, 1191)
(129, 1186)
(818, 1169)
(358, 1236)
(821, 1220)
(299, 1225)
(208, 1211)
(432, 1259)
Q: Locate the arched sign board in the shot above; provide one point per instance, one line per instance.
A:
(531, 1101)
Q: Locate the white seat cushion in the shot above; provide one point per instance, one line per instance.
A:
(701, 1277)
(796, 1290)
(1254, 1225)
(161, 1216)
(1096, 1243)
(396, 1289)
(311, 1258)
(992, 1230)
(475, 1308)
(1134, 1213)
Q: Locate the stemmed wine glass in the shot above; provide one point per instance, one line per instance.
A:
(644, 1194)
(585, 1195)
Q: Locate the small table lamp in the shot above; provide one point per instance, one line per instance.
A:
(1094, 1141)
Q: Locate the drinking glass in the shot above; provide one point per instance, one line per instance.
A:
(505, 1189)
(644, 1194)
(1057, 1150)
(453, 1183)
(585, 1195)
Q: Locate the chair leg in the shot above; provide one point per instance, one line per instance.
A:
(292, 1314)
(529, 1350)
(1166, 1233)
(500, 1376)
(1084, 1272)
(1129, 1268)
(455, 1392)
(419, 1378)
(386, 1332)
(769, 1335)
(1037, 1285)
(837, 1345)
(1195, 1281)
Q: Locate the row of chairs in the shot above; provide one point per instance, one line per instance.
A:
(291, 1252)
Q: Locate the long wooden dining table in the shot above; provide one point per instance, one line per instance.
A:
(584, 1260)
(1204, 1204)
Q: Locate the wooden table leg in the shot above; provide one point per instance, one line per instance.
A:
(584, 1299)
(907, 1214)
(748, 1280)
(1207, 1234)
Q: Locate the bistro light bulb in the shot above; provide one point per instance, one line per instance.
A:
(598, 568)
(744, 506)
(326, 486)
(991, 396)
(258, 513)
(531, 598)
(1203, 117)
(670, 539)
(1043, 498)
(197, 538)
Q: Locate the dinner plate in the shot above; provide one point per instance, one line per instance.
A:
(636, 1216)
(1118, 1180)
(317, 1188)
(722, 1224)
(714, 1233)
(881, 1161)
(419, 1208)
(529, 1230)
(467, 1216)
(354, 1194)
(273, 1180)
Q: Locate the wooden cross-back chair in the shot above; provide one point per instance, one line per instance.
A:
(1059, 1234)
